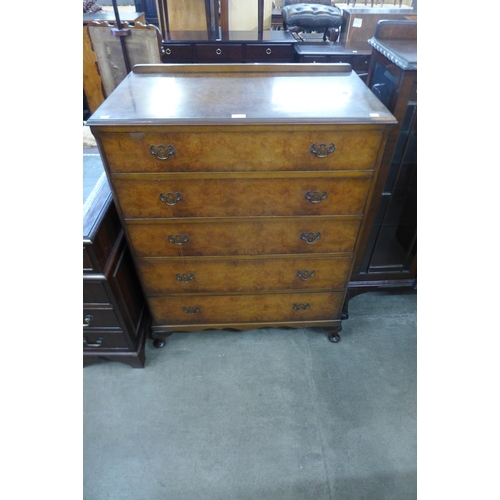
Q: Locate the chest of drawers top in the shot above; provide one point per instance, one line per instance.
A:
(240, 94)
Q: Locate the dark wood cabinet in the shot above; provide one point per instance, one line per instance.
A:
(358, 55)
(115, 316)
(231, 47)
(388, 250)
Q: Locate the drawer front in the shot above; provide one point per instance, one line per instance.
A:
(233, 276)
(221, 309)
(318, 148)
(99, 318)
(360, 63)
(228, 197)
(94, 292)
(314, 59)
(271, 53)
(204, 237)
(219, 53)
(178, 53)
(340, 59)
(88, 265)
(102, 340)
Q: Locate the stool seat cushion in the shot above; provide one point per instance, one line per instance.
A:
(313, 17)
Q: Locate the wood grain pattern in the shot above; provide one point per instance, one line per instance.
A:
(230, 150)
(245, 308)
(237, 276)
(237, 237)
(229, 197)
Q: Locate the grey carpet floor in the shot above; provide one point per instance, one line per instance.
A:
(264, 414)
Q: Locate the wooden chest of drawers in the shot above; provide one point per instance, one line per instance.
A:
(115, 317)
(242, 189)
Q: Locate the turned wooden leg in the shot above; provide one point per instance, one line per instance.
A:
(158, 341)
(333, 334)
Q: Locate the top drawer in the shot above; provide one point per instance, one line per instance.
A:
(242, 149)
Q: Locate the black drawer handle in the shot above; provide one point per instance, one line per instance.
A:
(178, 239)
(87, 320)
(322, 150)
(303, 307)
(316, 196)
(305, 275)
(310, 238)
(170, 198)
(162, 152)
(98, 342)
(191, 310)
(185, 277)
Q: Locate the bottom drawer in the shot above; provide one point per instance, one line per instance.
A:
(100, 341)
(224, 309)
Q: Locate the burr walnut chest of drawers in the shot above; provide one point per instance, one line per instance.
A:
(242, 189)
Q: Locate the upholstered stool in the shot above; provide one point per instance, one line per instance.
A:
(308, 16)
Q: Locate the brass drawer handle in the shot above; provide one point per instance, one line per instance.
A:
(305, 274)
(298, 307)
(87, 320)
(178, 239)
(170, 198)
(98, 343)
(310, 238)
(191, 310)
(162, 152)
(316, 196)
(185, 278)
(322, 151)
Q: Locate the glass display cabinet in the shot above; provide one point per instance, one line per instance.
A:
(388, 249)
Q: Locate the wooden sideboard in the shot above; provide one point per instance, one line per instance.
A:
(230, 47)
(242, 212)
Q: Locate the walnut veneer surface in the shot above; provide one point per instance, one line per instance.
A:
(242, 189)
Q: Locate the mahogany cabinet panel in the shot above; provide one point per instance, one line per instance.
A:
(388, 244)
(237, 236)
(177, 276)
(260, 149)
(230, 197)
(115, 316)
(207, 309)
